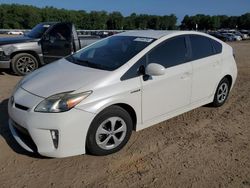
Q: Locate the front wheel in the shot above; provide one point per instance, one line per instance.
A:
(221, 93)
(109, 132)
(24, 63)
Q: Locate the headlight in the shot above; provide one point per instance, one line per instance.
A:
(61, 102)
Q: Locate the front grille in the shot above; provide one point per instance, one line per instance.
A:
(21, 107)
(4, 57)
(24, 136)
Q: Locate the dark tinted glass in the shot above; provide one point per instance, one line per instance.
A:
(217, 46)
(170, 53)
(38, 31)
(201, 47)
(110, 53)
(135, 71)
(60, 32)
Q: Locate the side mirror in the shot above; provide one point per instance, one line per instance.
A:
(154, 69)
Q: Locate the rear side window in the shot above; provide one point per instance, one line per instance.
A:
(217, 46)
(201, 47)
(171, 53)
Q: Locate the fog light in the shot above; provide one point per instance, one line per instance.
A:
(55, 137)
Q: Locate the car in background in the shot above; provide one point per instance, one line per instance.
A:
(222, 37)
(45, 43)
(234, 36)
(93, 99)
(246, 34)
(238, 33)
(15, 33)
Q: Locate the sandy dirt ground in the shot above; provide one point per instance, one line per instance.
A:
(206, 147)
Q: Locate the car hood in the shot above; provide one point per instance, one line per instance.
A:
(15, 40)
(61, 76)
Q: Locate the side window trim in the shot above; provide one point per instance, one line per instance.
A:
(189, 48)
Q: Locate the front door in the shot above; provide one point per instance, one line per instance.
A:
(57, 42)
(164, 94)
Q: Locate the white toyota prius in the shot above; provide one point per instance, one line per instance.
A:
(92, 100)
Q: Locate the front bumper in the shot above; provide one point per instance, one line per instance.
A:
(4, 60)
(72, 127)
(5, 64)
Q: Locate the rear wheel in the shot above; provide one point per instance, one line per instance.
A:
(109, 132)
(24, 63)
(222, 93)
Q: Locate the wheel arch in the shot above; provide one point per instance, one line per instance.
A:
(128, 108)
(229, 78)
(131, 112)
(33, 53)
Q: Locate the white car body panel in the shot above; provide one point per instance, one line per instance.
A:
(66, 76)
(203, 69)
(166, 93)
(180, 89)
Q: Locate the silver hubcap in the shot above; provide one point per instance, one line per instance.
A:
(111, 133)
(25, 65)
(222, 93)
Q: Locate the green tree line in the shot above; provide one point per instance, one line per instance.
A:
(206, 22)
(15, 16)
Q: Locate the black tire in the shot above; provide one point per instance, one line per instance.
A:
(23, 64)
(217, 102)
(111, 112)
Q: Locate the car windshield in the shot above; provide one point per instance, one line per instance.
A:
(111, 53)
(38, 31)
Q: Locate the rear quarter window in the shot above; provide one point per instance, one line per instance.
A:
(201, 47)
(217, 46)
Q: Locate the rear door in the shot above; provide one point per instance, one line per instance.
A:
(206, 62)
(57, 42)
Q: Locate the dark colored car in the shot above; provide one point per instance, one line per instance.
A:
(222, 37)
(44, 44)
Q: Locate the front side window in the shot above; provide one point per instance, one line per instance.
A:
(111, 53)
(60, 32)
(171, 53)
(201, 47)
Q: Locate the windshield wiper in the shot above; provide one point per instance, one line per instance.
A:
(78, 61)
(86, 63)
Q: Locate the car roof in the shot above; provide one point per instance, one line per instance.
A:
(156, 34)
